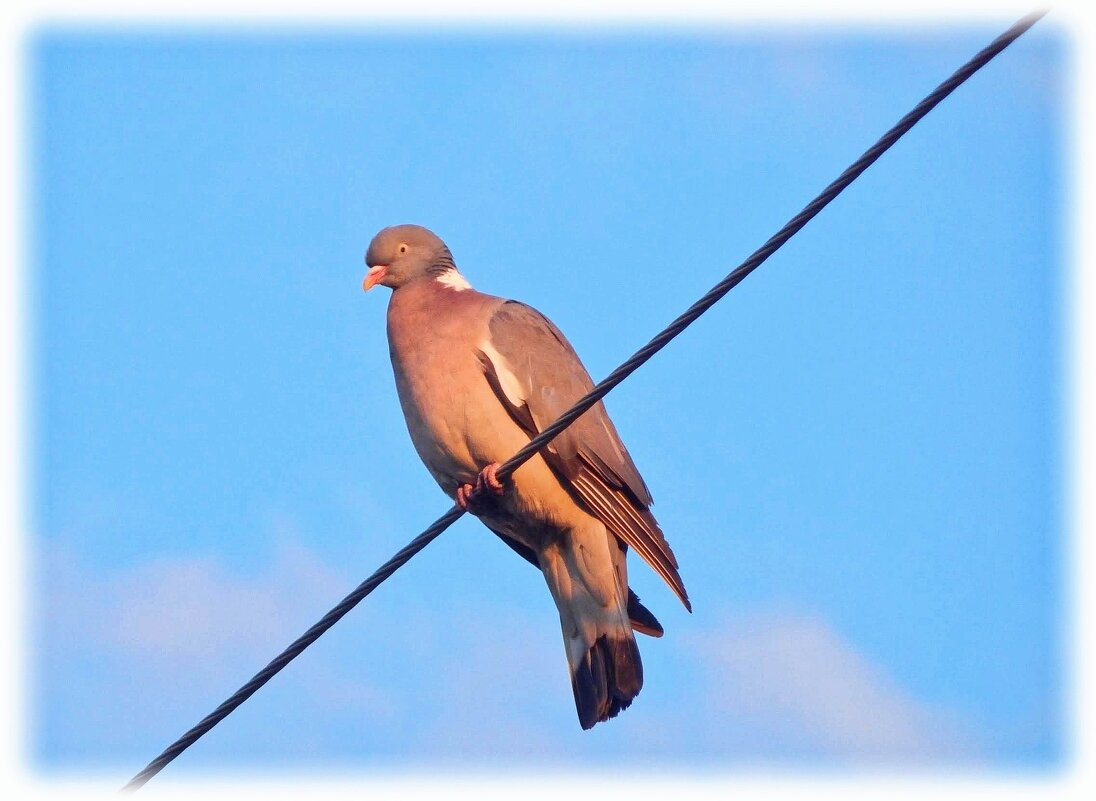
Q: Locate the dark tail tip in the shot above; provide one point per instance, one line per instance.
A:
(607, 679)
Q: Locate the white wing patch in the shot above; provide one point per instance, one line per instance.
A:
(511, 385)
(454, 280)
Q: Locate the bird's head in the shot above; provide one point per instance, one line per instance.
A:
(403, 253)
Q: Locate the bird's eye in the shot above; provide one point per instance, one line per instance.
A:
(403, 248)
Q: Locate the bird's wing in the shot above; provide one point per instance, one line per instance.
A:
(537, 376)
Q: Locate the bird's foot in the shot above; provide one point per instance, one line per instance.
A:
(477, 498)
(487, 480)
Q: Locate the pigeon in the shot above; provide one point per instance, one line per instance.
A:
(478, 376)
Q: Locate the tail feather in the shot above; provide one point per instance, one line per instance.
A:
(607, 679)
(641, 618)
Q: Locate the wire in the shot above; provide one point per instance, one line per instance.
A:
(597, 393)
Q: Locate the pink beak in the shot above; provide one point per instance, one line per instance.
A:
(374, 276)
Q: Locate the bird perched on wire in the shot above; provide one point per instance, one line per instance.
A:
(479, 376)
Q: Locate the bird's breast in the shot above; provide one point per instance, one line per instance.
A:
(455, 422)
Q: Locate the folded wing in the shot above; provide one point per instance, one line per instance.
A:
(537, 376)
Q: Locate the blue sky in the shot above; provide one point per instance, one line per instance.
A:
(857, 456)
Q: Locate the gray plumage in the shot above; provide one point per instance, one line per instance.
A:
(477, 377)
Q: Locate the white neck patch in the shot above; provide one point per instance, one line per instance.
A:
(453, 280)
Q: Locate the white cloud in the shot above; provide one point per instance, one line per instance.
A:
(155, 644)
(807, 691)
(182, 610)
(127, 657)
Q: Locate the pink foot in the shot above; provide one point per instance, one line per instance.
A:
(464, 498)
(476, 499)
(487, 480)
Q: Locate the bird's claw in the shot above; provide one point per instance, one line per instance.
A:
(487, 480)
(464, 497)
(475, 498)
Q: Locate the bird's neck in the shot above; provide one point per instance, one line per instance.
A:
(452, 279)
(428, 308)
(433, 294)
(448, 279)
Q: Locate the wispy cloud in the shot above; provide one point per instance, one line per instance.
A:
(807, 691)
(157, 644)
(127, 657)
(197, 608)
(176, 611)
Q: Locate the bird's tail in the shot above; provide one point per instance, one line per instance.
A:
(589, 580)
(607, 677)
(641, 618)
(589, 584)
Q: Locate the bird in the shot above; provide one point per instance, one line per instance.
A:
(477, 377)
